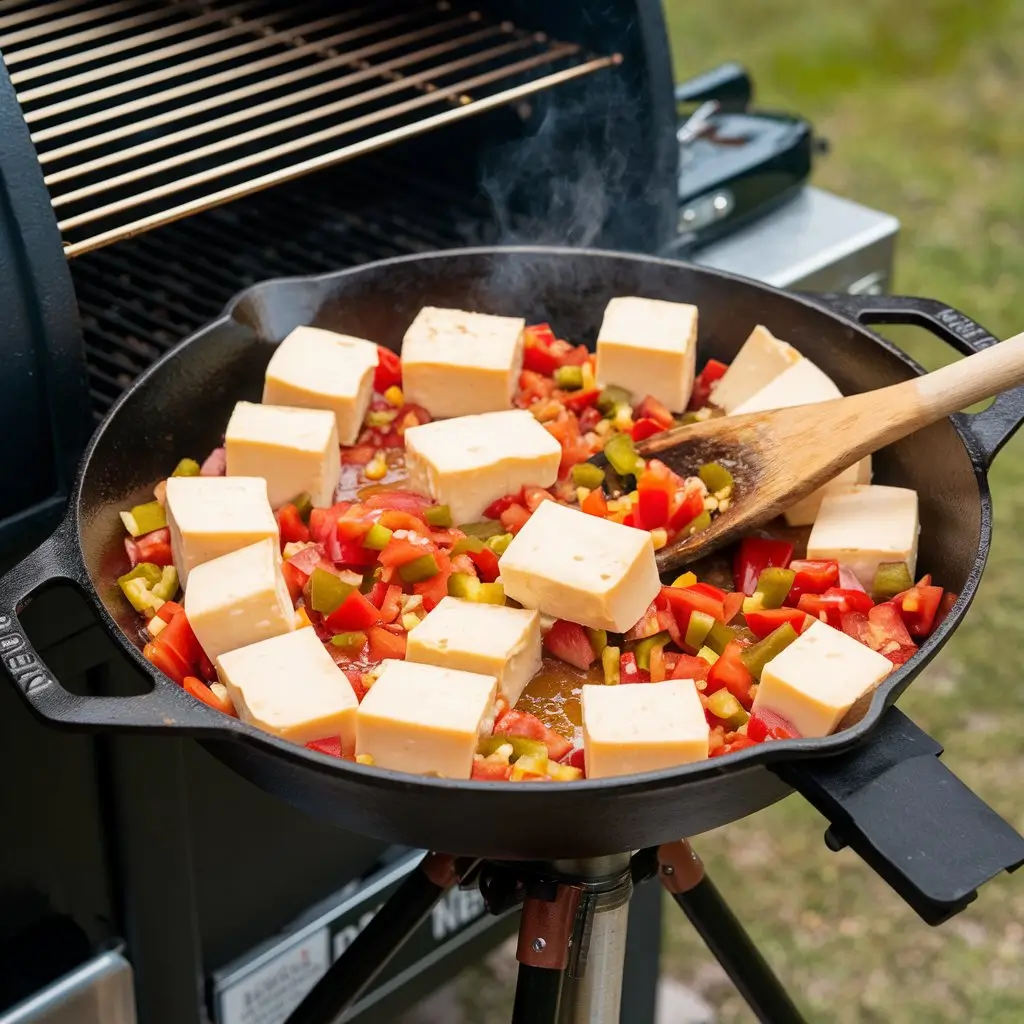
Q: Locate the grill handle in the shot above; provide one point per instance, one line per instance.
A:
(57, 560)
(992, 427)
(894, 803)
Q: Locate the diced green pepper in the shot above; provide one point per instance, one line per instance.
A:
(304, 504)
(369, 580)
(439, 516)
(610, 663)
(702, 522)
(484, 529)
(377, 537)
(644, 647)
(467, 587)
(621, 454)
(689, 417)
(612, 397)
(719, 636)
(773, 586)
(697, 629)
(351, 641)
(419, 570)
(521, 746)
(167, 586)
(722, 704)
(586, 474)
(499, 544)
(598, 640)
(715, 476)
(144, 570)
(708, 655)
(468, 544)
(569, 378)
(145, 518)
(756, 657)
(187, 467)
(891, 578)
(140, 595)
(327, 591)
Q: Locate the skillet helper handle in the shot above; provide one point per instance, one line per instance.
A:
(57, 560)
(992, 427)
(894, 803)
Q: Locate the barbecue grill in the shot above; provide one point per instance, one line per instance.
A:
(160, 156)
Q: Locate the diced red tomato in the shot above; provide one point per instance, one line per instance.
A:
(738, 742)
(538, 342)
(534, 497)
(688, 666)
(322, 521)
(811, 577)
(900, 655)
(354, 613)
(630, 671)
(732, 604)
(352, 553)
(521, 723)
(730, 672)
(700, 587)
(754, 555)
(667, 623)
(385, 644)
(331, 746)
(293, 579)
(398, 501)
(514, 518)
(490, 771)
(589, 420)
(168, 610)
(434, 590)
(575, 759)
(651, 409)
(178, 636)
(376, 594)
(888, 626)
(401, 551)
(834, 603)
(919, 606)
(389, 370)
(648, 624)
(687, 504)
(390, 603)
(848, 579)
(202, 692)
(763, 622)
(533, 387)
(486, 562)
(496, 507)
(355, 678)
(945, 607)
(167, 661)
(154, 547)
(856, 624)
(580, 401)
(354, 525)
(685, 600)
(409, 416)
(763, 725)
(595, 503)
(713, 371)
(656, 488)
(569, 642)
(291, 526)
(645, 428)
(358, 455)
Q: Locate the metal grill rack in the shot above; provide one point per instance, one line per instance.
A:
(146, 111)
(139, 299)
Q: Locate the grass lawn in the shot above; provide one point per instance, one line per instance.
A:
(924, 105)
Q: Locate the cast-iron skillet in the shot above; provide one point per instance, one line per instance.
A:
(881, 797)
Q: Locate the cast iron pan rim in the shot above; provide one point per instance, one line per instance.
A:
(223, 728)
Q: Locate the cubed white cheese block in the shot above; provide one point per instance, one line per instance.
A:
(815, 681)
(290, 686)
(649, 347)
(468, 462)
(425, 719)
(761, 359)
(863, 526)
(456, 363)
(239, 599)
(487, 639)
(581, 568)
(803, 383)
(209, 516)
(294, 450)
(317, 369)
(630, 729)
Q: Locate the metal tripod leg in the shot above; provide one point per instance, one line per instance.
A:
(378, 942)
(682, 874)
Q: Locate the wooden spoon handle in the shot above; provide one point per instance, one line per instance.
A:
(982, 375)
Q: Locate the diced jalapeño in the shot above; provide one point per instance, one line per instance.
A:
(756, 657)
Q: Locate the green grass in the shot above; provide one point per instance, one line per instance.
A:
(924, 105)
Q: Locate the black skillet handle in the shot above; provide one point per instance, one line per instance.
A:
(991, 428)
(58, 560)
(909, 817)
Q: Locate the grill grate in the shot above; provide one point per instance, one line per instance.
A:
(140, 298)
(147, 111)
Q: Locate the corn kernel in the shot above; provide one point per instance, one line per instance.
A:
(724, 504)
(394, 396)
(376, 468)
(687, 579)
(710, 504)
(604, 428)
(301, 619)
(659, 538)
(725, 492)
(366, 759)
(589, 381)
(381, 417)
(623, 419)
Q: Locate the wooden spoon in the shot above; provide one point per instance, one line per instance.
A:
(777, 458)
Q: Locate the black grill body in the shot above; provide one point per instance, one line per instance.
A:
(153, 842)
